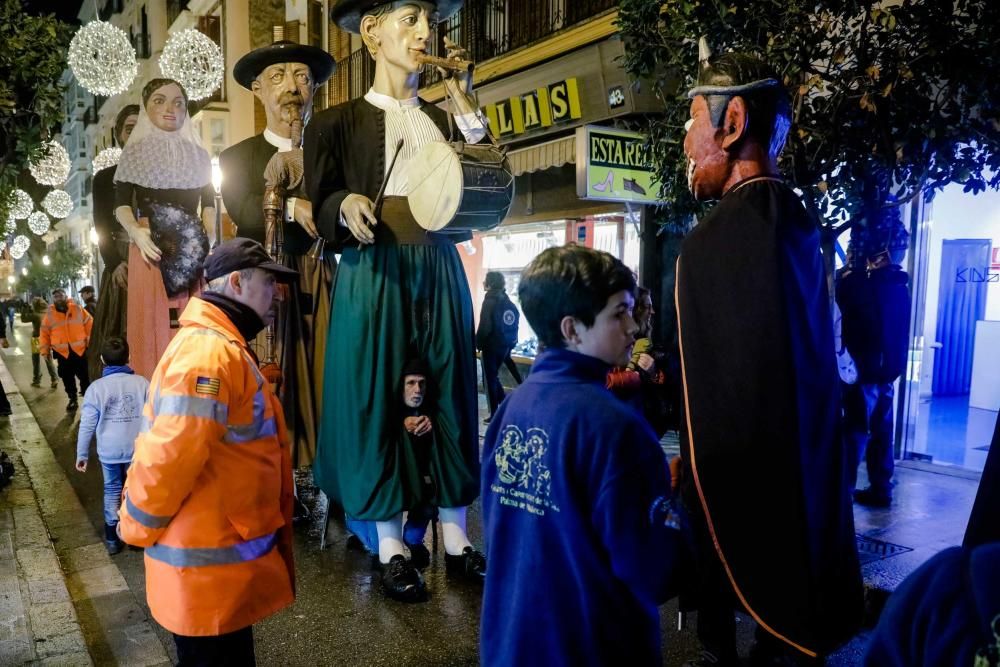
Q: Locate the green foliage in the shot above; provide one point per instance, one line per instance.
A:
(64, 267)
(887, 100)
(32, 60)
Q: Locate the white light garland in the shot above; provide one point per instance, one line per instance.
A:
(3, 244)
(20, 204)
(107, 158)
(38, 223)
(10, 226)
(195, 61)
(53, 167)
(58, 204)
(19, 246)
(102, 58)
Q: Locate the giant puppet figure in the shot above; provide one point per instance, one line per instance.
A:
(401, 293)
(764, 461)
(284, 76)
(112, 301)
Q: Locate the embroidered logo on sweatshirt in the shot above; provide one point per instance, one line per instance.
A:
(525, 479)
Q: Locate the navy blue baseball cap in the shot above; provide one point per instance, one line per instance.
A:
(243, 253)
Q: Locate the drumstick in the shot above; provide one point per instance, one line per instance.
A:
(385, 181)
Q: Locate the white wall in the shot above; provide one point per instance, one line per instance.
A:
(958, 215)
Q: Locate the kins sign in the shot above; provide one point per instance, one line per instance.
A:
(543, 107)
(613, 165)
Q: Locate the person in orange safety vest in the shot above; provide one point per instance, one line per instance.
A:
(65, 334)
(209, 491)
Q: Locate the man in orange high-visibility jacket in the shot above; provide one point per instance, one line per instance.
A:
(65, 334)
(209, 491)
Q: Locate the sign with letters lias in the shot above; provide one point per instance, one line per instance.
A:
(543, 107)
(613, 165)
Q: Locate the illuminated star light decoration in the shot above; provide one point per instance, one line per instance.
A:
(194, 61)
(53, 167)
(38, 223)
(107, 158)
(58, 204)
(102, 58)
(20, 204)
(10, 226)
(19, 246)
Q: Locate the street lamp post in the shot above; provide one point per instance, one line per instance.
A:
(217, 184)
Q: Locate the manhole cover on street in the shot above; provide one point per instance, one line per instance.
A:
(870, 549)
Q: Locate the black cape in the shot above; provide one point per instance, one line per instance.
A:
(763, 451)
(984, 522)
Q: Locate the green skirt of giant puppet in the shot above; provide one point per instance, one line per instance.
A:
(391, 304)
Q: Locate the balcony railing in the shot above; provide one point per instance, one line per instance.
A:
(174, 9)
(487, 28)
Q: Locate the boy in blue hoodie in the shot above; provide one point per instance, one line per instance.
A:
(581, 530)
(112, 409)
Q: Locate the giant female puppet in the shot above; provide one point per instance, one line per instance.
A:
(163, 179)
(400, 294)
(766, 470)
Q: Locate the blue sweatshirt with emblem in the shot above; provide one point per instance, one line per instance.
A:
(580, 530)
(112, 410)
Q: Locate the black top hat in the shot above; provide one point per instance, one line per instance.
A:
(249, 66)
(347, 13)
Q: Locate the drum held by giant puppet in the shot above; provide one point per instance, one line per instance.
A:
(461, 187)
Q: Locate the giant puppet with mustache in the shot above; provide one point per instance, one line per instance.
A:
(284, 76)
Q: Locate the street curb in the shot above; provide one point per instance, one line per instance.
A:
(88, 572)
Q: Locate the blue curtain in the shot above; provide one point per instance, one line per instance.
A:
(961, 303)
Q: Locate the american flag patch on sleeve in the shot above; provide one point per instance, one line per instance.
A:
(205, 385)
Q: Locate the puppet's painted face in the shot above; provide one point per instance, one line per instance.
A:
(127, 128)
(167, 107)
(402, 34)
(282, 87)
(414, 389)
(708, 164)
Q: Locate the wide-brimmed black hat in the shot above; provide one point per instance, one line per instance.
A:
(249, 66)
(347, 13)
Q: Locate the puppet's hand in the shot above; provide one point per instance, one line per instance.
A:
(360, 217)
(120, 276)
(143, 240)
(303, 214)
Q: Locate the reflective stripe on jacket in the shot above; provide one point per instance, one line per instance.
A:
(209, 492)
(61, 331)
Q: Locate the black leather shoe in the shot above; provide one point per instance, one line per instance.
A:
(871, 498)
(471, 564)
(420, 556)
(402, 581)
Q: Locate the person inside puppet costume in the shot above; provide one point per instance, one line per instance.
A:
(284, 76)
(163, 176)
(112, 299)
(401, 293)
(762, 409)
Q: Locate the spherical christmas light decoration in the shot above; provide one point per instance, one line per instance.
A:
(3, 244)
(10, 226)
(20, 204)
(38, 223)
(107, 158)
(194, 61)
(58, 204)
(102, 58)
(53, 167)
(19, 246)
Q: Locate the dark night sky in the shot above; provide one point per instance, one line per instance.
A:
(63, 9)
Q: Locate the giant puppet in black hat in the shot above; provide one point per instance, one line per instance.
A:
(765, 466)
(284, 76)
(400, 293)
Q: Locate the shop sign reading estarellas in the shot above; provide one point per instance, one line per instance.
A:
(613, 165)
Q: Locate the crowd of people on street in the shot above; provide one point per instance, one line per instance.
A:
(222, 368)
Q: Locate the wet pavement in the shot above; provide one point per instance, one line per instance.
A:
(341, 616)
